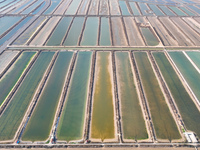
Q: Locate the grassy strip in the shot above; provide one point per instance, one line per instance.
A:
(72, 120)
(39, 126)
(13, 115)
(163, 121)
(132, 118)
(187, 108)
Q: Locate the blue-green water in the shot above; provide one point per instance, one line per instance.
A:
(124, 8)
(11, 77)
(54, 4)
(74, 32)
(27, 33)
(38, 9)
(21, 7)
(105, 39)
(7, 22)
(195, 57)
(187, 11)
(14, 113)
(73, 7)
(194, 8)
(188, 71)
(177, 11)
(134, 8)
(91, 31)
(156, 10)
(32, 7)
(144, 9)
(14, 30)
(72, 119)
(167, 11)
(59, 32)
(40, 123)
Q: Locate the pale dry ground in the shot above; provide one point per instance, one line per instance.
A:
(182, 148)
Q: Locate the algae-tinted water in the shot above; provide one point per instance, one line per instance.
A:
(195, 56)
(40, 123)
(54, 4)
(59, 32)
(134, 8)
(74, 32)
(149, 37)
(105, 32)
(132, 119)
(13, 74)
(124, 8)
(14, 113)
(167, 11)
(188, 71)
(164, 124)
(187, 108)
(7, 22)
(73, 7)
(177, 11)
(72, 120)
(91, 31)
(103, 111)
(156, 10)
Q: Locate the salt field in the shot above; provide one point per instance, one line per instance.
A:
(99, 74)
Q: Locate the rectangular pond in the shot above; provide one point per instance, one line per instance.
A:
(59, 32)
(54, 5)
(71, 123)
(156, 10)
(72, 9)
(91, 31)
(124, 8)
(187, 108)
(190, 74)
(14, 30)
(40, 123)
(119, 38)
(105, 38)
(133, 123)
(166, 10)
(11, 77)
(14, 113)
(103, 126)
(164, 124)
(149, 37)
(134, 8)
(22, 39)
(6, 22)
(177, 11)
(195, 57)
(74, 32)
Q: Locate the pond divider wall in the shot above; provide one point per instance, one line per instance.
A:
(111, 32)
(82, 31)
(10, 64)
(35, 99)
(63, 96)
(169, 99)
(10, 95)
(145, 106)
(117, 103)
(89, 101)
